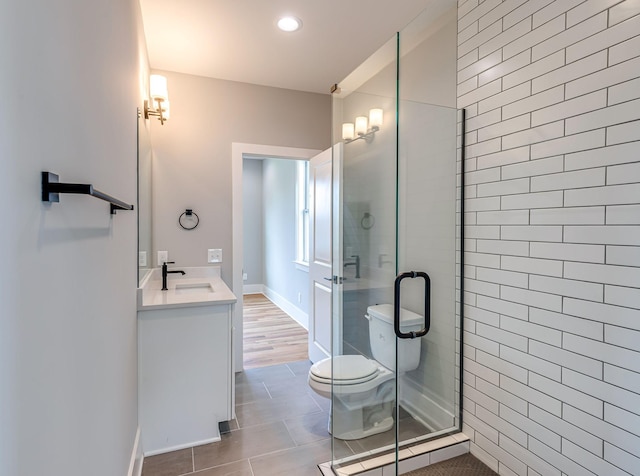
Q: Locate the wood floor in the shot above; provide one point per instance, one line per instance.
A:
(271, 336)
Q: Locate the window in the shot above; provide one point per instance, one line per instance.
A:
(302, 212)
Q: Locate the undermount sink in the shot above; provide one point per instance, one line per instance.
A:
(192, 288)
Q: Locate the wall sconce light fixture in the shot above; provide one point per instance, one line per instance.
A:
(159, 99)
(363, 128)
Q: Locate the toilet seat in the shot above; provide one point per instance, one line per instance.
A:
(347, 370)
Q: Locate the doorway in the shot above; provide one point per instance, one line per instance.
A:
(275, 267)
(240, 151)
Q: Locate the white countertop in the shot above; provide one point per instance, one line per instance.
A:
(200, 286)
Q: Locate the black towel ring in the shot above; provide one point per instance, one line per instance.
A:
(368, 220)
(189, 213)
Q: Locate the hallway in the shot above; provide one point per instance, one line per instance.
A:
(270, 335)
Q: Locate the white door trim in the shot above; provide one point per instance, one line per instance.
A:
(238, 151)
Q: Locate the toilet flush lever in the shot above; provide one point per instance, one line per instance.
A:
(427, 305)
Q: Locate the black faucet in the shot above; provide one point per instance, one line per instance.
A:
(382, 261)
(355, 263)
(165, 272)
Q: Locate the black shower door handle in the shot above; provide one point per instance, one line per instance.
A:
(427, 305)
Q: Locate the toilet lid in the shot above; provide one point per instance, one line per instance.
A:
(385, 313)
(348, 369)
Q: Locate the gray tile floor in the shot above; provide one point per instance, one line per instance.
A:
(280, 428)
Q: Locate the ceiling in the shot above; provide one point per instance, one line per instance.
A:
(238, 40)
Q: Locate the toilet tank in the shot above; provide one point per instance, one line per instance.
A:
(382, 337)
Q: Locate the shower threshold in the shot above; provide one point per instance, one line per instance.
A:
(410, 458)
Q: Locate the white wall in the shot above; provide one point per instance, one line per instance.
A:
(279, 201)
(253, 226)
(192, 153)
(70, 84)
(552, 342)
(282, 276)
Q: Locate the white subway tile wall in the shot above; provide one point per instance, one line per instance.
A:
(552, 276)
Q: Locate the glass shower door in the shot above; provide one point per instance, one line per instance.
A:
(364, 129)
(396, 249)
(427, 232)
(427, 264)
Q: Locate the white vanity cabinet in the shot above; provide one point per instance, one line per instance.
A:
(184, 376)
(185, 373)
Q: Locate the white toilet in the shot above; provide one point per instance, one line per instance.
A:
(364, 389)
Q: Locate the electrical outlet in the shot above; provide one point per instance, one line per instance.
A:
(142, 259)
(299, 297)
(214, 255)
(163, 257)
(245, 276)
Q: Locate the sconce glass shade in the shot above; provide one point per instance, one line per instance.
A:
(166, 111)
(158, 105)
(158, 87)
(348, 131)
(361, 125)
(375, 118)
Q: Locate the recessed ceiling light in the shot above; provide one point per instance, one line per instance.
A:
(289, 23)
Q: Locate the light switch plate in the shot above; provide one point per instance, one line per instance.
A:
(163, 257)
(214, 255)
(142, 259)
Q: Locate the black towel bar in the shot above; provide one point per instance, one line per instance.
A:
(51, 189)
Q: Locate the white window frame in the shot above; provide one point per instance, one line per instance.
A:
(302, 213)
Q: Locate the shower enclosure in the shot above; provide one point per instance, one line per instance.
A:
(396, 233)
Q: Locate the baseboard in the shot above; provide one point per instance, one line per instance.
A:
(253, 289)
(137, 458)
(325, 469)
(295, 312)
(423, 406)
(190, 444)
